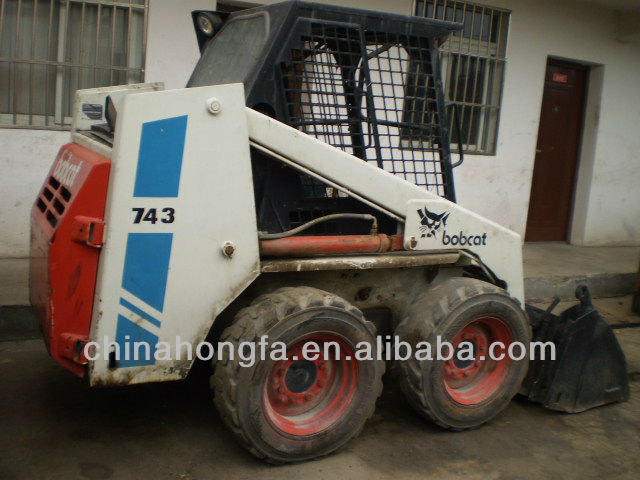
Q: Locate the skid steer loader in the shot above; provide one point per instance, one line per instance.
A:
(298, 192)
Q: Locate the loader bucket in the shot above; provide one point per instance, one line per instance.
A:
(589, 369)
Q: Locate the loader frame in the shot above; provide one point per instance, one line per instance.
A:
(222, 257)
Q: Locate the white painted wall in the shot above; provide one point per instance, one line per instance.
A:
(25, 159)
(609, 174)
(172, 50)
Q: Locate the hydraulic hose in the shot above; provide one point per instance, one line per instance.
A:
(326, 218)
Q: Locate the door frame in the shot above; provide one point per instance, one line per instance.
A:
(586, 154)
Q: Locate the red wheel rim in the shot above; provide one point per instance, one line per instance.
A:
(304, 397)
(474, 381)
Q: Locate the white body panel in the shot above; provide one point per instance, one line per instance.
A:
(158, 281)
(89, 104)
(164, 275)
(501, 250)
(387, 191)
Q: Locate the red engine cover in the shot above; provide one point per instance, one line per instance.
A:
(66, 235)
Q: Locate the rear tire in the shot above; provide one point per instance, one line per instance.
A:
(294, 410)
(457, 394)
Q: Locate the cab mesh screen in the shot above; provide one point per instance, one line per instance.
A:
(371, 95)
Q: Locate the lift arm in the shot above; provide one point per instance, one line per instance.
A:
(430, 222)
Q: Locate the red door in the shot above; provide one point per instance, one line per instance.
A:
(557, 150)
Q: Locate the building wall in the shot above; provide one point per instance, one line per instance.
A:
(26, 155)
(25, 159)
(607, 210)
(607, 206)
(608, 195)
(172, 51)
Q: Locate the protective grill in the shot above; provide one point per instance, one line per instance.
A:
(371, 94)
(53, 200)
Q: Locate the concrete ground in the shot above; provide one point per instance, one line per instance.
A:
(555, 269)
(52, 426)
(562, 259)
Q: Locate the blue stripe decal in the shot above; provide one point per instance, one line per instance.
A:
(128, 332)
(146, 267)
(160, 158)
(139, 312)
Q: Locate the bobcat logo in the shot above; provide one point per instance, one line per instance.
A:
(431, 222)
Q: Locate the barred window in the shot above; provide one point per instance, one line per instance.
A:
(51, 48)
(473, 61)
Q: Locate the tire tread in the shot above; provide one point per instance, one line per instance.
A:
(442, 300)
(249, 325)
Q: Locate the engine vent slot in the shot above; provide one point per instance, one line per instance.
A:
(57, 204)
(53, 221)
(66, 194)
(53, 200)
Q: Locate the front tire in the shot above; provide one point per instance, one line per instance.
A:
(460, 394)
(296, 409)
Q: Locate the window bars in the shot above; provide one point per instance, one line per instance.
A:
(51, 48)
(473, 61)
(372, 95)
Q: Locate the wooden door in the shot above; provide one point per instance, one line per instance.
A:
(557, 149)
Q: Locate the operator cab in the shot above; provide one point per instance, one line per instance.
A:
(365, 82)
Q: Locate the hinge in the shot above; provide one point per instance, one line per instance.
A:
(88, 230)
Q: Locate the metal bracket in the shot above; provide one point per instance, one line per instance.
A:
(88, 230)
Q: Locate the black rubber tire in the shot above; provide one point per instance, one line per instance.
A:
(286, 315)
(444, 310)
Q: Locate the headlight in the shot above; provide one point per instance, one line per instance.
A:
(208, 23)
